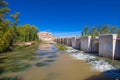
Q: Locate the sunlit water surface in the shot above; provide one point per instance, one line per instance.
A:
(57, 65)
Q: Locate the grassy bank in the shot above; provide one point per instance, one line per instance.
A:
(61, 47)
(17, 60)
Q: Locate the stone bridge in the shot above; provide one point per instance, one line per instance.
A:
(104, 45)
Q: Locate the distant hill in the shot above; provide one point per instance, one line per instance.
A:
(46, 36)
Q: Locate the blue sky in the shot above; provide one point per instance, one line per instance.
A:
(66, 15)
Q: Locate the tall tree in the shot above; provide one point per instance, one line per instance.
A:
(27, 33)
(102, 29)
(7, 33)
(3, 9)
(95, 32)
(114, 29)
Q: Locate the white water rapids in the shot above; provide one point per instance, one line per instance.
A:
(97, 64)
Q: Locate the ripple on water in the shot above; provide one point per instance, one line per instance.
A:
(43, 54)
(52, 56)
(49, 60)
(41, 64)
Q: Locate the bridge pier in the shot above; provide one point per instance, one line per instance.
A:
(117, 49)
(86, 43)
(107, 45)
(62, 40)
(76, 42)
(69, 41)
(65, 41)
(95, 45)
(73, 42)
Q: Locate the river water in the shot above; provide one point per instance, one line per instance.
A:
(59, 65)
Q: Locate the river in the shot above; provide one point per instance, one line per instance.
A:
(59, 65)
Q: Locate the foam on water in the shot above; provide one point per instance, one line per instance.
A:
(71, 50)
(100, 65)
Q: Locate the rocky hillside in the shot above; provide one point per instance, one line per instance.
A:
(46, 36)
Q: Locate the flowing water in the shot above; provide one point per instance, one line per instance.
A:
(56, 65)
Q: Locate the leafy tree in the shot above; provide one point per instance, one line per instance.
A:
(114, 29)
(27, 33)
(7, 33)
(103, 29)
(95, 32)
(10, 33)
(85, 31)
(3, 9)
(118, 32)
(6, 38)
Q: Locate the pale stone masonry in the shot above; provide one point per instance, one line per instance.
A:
(77, 43)
(65, 41)
(95, 45)
(73, 42)
(69, 41)
(86, 43)
(117, 49)
(62, 40)
(107, 44)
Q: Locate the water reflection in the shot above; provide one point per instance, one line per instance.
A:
(41, 64)
(49, 60)
(47, 54)
(53, 56)
(47, 49)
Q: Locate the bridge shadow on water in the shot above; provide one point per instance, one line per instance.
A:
(107, 75)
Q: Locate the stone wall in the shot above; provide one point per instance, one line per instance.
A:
(86, 43)
(107, 44)
(117, 49)
(69, 42)
(77, 44)
(73, 42)
(62, 40)
(95, 45)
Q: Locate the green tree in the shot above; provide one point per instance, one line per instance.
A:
(28, 33)
(103, 29)
(85, 31)
(7, 32)
(95, 32)
(114, 29)
(3, 9)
